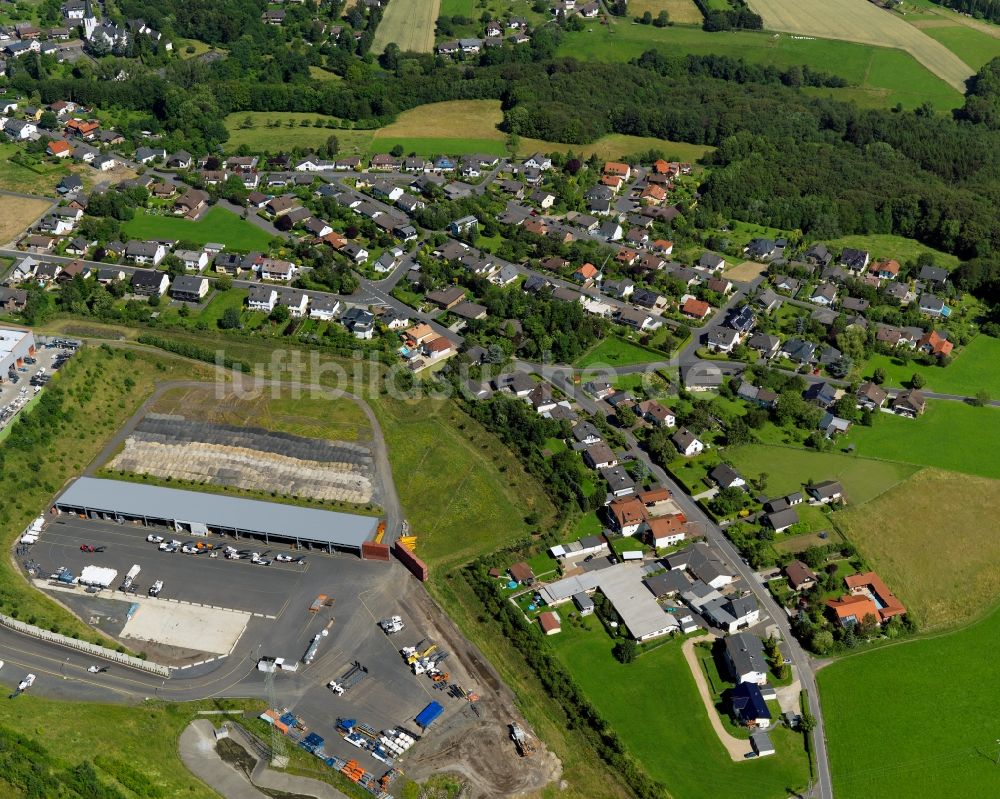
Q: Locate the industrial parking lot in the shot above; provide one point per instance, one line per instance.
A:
(279, 596)
(14, 394)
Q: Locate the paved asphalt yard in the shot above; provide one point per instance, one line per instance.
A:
(279, 596)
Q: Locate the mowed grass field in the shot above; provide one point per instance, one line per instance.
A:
(463, 492)
(932, 539)
(973, 369)
(950, 435)
(879, 76)
(653, 705)
(928, 705)
(16, 213)
(886, 245)
(457, 127)
(682, 12)
(788, 468)
(860, 21)
(408, 23)
(217, 225)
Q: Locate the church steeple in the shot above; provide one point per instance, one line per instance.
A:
(89, 20)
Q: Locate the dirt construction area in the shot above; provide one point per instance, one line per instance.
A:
(262, 460)
(860, 21)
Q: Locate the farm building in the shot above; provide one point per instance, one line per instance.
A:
(202, 513)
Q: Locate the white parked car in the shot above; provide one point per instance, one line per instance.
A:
(284, 558)
(154, 539)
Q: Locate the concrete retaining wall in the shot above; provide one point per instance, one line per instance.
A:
(84, 646)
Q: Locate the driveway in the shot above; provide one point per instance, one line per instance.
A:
(736, 747)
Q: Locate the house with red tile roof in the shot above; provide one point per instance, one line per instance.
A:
(696, 309)
(618, 169)
(935, 344)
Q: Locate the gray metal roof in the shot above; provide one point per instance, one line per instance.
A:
(217, 510)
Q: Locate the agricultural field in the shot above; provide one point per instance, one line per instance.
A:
(879, 76)
(452, 8)
(429, 130)
(462, 497)
(886, 245)
(787, 468)
(860, 21)
(884, 695)
(217, 224)
(950, 435)
(905, 531)
(973, 369)
(17, 213)
(974, 41)
(682, 12)
(615, 351)
(256, 129)
(408, 23)
(667, 729)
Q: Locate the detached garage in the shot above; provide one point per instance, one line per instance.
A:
(197, 513)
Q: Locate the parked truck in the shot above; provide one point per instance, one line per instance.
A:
(349, 679)
(391, 625)
(130, 578)
(310, 654)
(155, 588)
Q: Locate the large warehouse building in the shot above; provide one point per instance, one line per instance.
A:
(15, 346)
(195, 512)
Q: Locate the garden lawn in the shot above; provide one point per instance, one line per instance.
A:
(217, 224)
(879, 76)
(788, 468)
(220, 303)
(886, 245)
(950, 435)
(901, 534)
(261, 136)
(615, 351)
(653, 705)
(973, 369)
(883, 695)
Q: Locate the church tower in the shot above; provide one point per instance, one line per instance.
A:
(89, 21)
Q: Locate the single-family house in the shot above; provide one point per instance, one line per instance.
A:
(749, 707)
(733, 613)
(262, 298)
(549, 622)
(910, 403)
(695, 308)
(145, 253)
(195, 260)
(656, 414)
(826, 492)
(687, 443)
(744, 654)
(725, 476)
(189, 288)
(870, 396)
(800, 576)
(149, 283)
(712, 262)
(781, 520)
(599, 456)
(324, 307)
(626, 515)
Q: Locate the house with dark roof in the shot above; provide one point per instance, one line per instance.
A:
(149, 282)
(910, 403)
(800, 577)
(870, 396)
(825, 492)
(749, 707)
(782, 519)
(725, 476)
(744, 654)
(687, 443)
